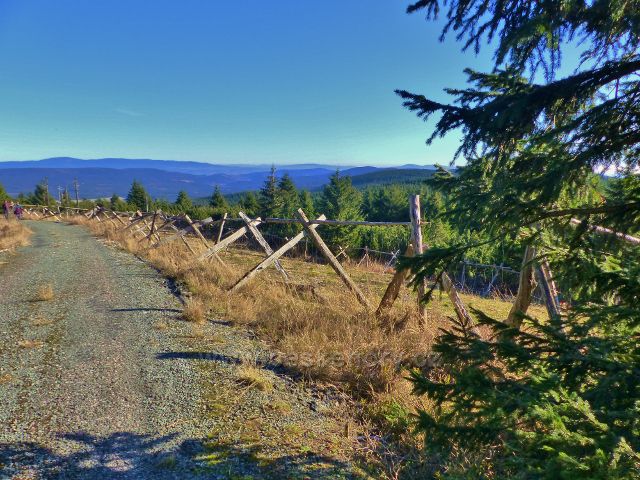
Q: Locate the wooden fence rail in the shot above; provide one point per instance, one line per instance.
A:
(137, 223)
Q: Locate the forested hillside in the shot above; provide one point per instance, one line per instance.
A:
(373, 196)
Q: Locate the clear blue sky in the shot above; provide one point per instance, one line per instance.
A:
(246, 81)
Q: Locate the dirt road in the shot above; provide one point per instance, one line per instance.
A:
(105, 380)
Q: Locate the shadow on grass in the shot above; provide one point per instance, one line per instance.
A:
(127, 455)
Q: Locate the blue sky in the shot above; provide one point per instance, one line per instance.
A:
(242, 81)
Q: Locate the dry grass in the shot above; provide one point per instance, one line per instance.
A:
(194, 311)
(320, 332)
(254, 377)
(334, 340)
(13, 234)
(42, 321)
(44, 293)
(30, 344)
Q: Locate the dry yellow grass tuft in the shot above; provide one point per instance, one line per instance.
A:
(13, 233)
(42, 321)
(30, 343)
(254, 377)
(194, 311)
(44, 293)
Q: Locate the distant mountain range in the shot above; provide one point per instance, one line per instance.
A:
(165, 178)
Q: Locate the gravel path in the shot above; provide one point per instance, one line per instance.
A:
(106, 381)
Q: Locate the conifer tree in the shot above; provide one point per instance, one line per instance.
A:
(41, 195)
(307, 204)
(217, 201)
(288, 204)
(249, 204)
(113, 203)
(138, 197)
(340, 200)
(269, 196)
(560, 396)
(183, 201)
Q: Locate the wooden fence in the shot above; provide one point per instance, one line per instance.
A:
(147, 227)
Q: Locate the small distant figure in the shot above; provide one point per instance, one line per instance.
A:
(6, 209)
(18, 211)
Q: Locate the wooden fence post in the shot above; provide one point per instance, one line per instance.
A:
(526, 285)
(227, 240)
(333, 261)
(416, 237)
(263, 243)
(458, 306)
(393, 289)
(195, 228)
(224, 218)
(549, 289)
(272, 258)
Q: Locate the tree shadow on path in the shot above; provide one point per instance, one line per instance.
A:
(126, 455)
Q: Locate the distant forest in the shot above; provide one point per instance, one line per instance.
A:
(376, 196)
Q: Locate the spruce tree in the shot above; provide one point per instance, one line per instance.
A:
(113, 203)
(560, 396)
(307, 204)
(217, 201)
(340, 200)
(269, 198)
(289, 202)
(41, 195)
(249, 204)
(183, 201)
(138, 197)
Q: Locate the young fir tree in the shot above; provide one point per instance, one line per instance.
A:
(558, 397)
(249, 204)
(289, 202)
(113, 202)
(40, 195)
(183, 201)
(138, 197)
(217, 201)
(340, 200)
(307, 204)
(269, 197)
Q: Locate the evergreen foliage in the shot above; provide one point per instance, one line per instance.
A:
(183, 201)
(561, 397)
(288, 203)
(40, 195)
(249, 204)
(3, 194)
(218, 202)
(138, 196)
(340, 200)
(269, 198)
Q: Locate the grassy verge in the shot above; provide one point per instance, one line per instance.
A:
(13, 233)
(321, 332)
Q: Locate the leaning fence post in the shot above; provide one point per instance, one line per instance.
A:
(224, 217)
(263, 243)
(393, 289)
(333, 261)
(526, 285)
(197, 231)
(549, 289)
